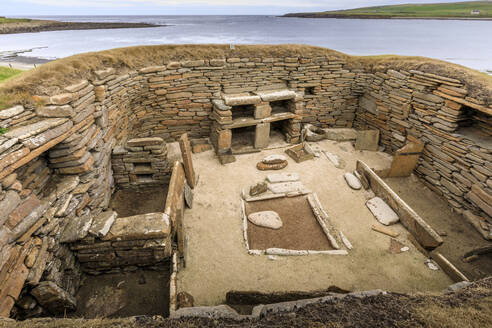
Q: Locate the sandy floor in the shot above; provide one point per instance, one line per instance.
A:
(217, 260)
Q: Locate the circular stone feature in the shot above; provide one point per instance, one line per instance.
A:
(265, 167)
(274, 159)
(352, 181)
(267, 219)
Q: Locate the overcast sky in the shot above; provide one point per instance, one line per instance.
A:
(181, 7)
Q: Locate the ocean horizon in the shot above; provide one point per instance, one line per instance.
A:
(460, 42)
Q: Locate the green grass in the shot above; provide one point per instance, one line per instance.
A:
(7, 72)
(4, 20)
(444, 10)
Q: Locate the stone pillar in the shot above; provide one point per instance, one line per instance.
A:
(262, 135)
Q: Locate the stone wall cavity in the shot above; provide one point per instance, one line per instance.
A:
(57, 177)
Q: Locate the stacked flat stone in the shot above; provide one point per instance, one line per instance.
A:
(435, 110)
(114, 244)
(141, 163)
(260, 117)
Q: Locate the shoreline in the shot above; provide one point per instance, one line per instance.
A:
(348, 16)
(34, 26)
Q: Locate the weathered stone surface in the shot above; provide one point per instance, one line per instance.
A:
(76, 229)
(258, 189)
(340, 134)
(136, 142)
(335, 160)
(55, 111)
(381, 211)
(102, 223)
(282, 177)
(11, 112)
(53, 298)
(184, 145)
(276, 95)
(267, 219)
(241, 99)
(367, 140)
(262, 135)
(42, 138)
(140, 227)
(352, 181)
(274, 159)
(265, 167)
(26, 207)
(27, 131)
(8, 204)
(285, 187)
(185, 300)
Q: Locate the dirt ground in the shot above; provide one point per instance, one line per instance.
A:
(460, 237)
(300, 230)
(143, 292)
(217, 261)
(128, 202)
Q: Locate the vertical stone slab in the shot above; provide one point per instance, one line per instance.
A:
(262, 110)
(367, 140)
(262, 135)
(224, 140)
(184, 144)
(405, 159)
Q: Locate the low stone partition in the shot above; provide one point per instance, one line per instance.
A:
(142, 162)
(123, 243)
(423, 233)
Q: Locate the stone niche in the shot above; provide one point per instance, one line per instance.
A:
(142, 162)
(243, 122)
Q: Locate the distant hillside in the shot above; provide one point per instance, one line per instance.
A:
(451, 10)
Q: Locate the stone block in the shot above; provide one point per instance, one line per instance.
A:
(102, 223)
(262, 111)
(367, 140)
(53, 298)
(8, 204)
(224, 140)
(11, 112)
(22, 211)
(137, 142)
(262, 135)
(276, 95)
(241, 99)
(55, 111)
(140, 227)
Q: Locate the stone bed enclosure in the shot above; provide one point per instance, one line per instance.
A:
(63, 154)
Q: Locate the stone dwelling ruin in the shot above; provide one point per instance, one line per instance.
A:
(69, 149)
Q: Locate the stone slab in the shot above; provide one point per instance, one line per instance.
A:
(102, 223)
(282, 177)
(367, 140)
(406, 159)
(140, 227)
(285, 187)
(266, 219)
(352, 181)
(184, 145)
(276, 95)
(136, 142)
(262, 135)
(381, 211)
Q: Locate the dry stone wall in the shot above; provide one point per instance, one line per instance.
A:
(455, 128)
(59, 159)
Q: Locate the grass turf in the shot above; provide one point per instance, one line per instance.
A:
(444, 10)
(5, 20)
(7, 72)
